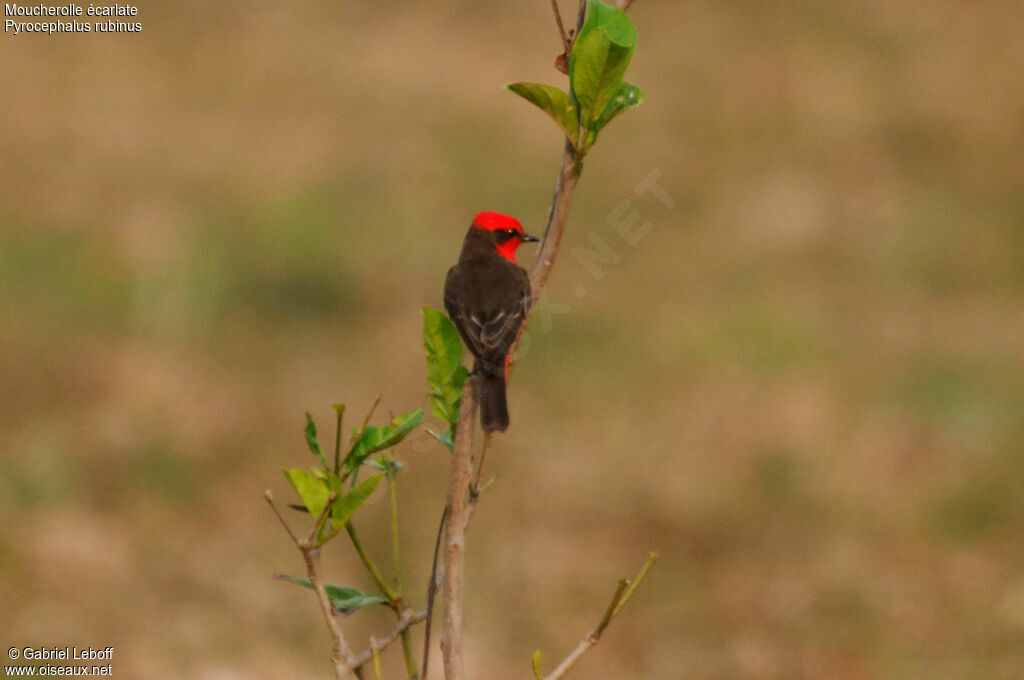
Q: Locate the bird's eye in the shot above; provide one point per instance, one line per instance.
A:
(510, 232)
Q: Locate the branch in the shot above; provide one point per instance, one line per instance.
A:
(558, 214)
(566, 43)
(431, 593)
(310, 550)
(391, 593)
(459, 506)
(408, 619)
(623, 592)
(458, 510)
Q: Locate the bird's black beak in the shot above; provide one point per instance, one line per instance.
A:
(530, 239)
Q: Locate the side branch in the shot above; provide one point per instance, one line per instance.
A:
(408, 619)
(566, 43)
(623, 592)
(310, 550)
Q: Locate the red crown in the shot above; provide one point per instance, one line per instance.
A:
(490, 221)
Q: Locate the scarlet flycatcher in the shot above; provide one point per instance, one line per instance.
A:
(487, 296)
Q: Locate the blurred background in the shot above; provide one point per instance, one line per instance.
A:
(800, 381)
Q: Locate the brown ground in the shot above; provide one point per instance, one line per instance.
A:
(803, 386)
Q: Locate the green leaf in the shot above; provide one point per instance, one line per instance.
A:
(344, 600)
(391, 466)
(444, 348)
(345, 506)
(447, 437)
(445, 405)
(375, 438)
(612, 21)
(599, 59)
(311, 441)
(445, 372)
(536, 664)
(626, 97)
(312, 489)
(553, 102)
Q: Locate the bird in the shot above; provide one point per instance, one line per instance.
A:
(487, 296)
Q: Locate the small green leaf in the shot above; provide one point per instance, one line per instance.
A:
(375, 438)
(345, 506)
(553, 102)
(344, 600)
(390, 466)
(311, 440)
(445, 405)
(312, 489)
(447, 437)
(599, 59)
(536, 664)
(626, 97)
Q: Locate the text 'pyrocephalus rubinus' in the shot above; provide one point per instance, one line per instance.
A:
(487, 296)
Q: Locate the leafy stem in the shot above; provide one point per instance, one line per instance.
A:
(367, 561)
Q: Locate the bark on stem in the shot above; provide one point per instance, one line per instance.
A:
(565, 185)
(459, 511)
(459, 506)
(408, 619)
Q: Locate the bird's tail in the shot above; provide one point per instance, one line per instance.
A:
(493, 408)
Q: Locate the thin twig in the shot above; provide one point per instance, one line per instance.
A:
(270, 500)
(376, 658)
(337, 440)
(396, 559)
(366, 421)
(459, 510)
(369, 414)
(386, 589)
(315, 531)
(407, 654)
(620, 588)
(474, 488)
(635, 583)
(408, 619)
(561, 29)
(432, 592)
(623, 592)
(342, 655)
(396, 556)
(393, 593)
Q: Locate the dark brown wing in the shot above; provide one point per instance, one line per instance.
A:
(488, 327)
